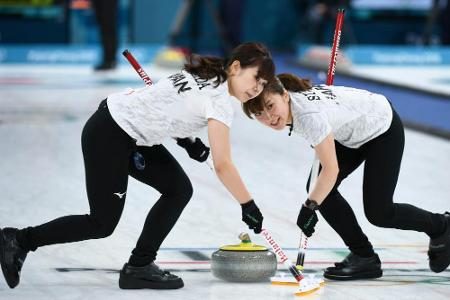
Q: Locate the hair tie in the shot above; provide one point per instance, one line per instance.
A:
(291, 127)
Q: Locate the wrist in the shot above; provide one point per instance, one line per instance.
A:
(248, 203)
(311, 204)
(183, 142)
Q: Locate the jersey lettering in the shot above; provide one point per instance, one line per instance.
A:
(201, 82)
(311, 96)
(326, 92)
(317, 92)
(179, 81)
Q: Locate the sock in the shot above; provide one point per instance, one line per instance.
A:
(365, 251)
(139, 261)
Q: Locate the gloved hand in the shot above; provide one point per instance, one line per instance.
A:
(195, 149)
(252, 216)
(307, 218)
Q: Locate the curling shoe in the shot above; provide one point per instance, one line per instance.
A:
(12, 256)
(148, 277)
(105, 66)
(355, 267)
(439, 249)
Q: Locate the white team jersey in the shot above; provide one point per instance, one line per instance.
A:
(177, 106)
(354, 116)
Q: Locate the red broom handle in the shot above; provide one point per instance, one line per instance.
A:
(335, 48)
(137, 67)
(330, 77)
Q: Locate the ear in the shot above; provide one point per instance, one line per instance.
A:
(235, 67)
(286, 96)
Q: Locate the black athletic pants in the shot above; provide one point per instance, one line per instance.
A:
(107, 152)
(382, 157)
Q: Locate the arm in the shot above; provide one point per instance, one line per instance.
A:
(219, 141)
(326, 153)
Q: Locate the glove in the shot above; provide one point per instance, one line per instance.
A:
(307, 218)
(252, 216)
(195, 149)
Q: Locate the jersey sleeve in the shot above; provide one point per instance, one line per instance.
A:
(314, 127)
(219, 109)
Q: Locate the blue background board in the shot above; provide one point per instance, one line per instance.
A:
(73, 54)
(398, 55)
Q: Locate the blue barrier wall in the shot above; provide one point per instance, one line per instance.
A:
(280, 24)
(274, 23)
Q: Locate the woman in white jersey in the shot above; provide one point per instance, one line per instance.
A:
(347, 126)
(137, 121)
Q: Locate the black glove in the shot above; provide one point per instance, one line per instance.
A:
(252, 216)
(307, 218)
(195, 149)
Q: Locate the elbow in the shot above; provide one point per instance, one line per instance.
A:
(221, 166)
(331, 172)
(335, 172)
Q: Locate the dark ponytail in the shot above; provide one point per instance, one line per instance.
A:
(281, 82)
(248, 54)
(206, 67)
(294, 83)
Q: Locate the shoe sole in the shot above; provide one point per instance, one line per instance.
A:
(5, 271)
(128, 283)
(362, 275)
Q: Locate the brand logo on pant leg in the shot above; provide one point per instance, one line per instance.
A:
(120, 195)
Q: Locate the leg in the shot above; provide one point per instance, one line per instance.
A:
(106, 15)
(106, 149)
(164, 174)
(231, 12)
(362, 262)
(446, 24)
(381, 172)
(109, 30)
(344, 222)
(382, 167)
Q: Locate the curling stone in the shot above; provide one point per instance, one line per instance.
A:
(245, 262)
(170, 57)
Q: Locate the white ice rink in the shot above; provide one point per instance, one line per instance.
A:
(42, 112)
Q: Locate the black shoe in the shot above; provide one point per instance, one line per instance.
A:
(439, 249)
(355, 267)
(12, 256)
(148, 277)
(105, 66)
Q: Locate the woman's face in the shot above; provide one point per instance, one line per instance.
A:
(244, 83)
(277, 112)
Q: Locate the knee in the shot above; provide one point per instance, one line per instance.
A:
(187, 190)
(101, 229)
(379, 217)
(106, 231)
(181, 188)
